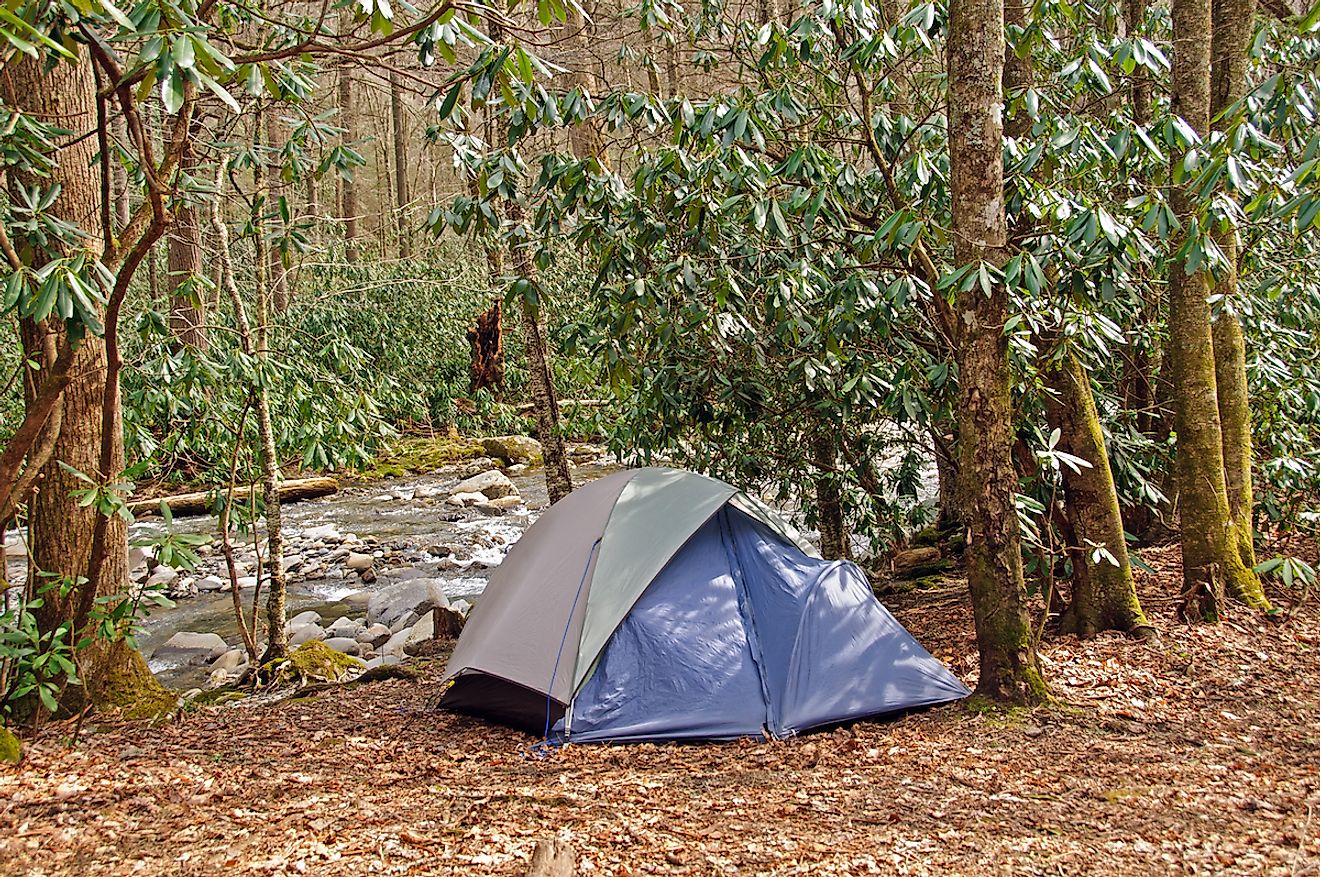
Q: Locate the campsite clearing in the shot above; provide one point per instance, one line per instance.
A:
(1197, 754)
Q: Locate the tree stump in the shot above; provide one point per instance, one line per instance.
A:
(486, 339)
(447, 624)
(552, 858)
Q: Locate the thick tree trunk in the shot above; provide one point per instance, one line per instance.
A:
(187, 312)
(1009, 668)
(1232, 22)
(348, 206)
(402, 198)
(1104, 596)
(829, 498)
(59, 529)
(1212, 561)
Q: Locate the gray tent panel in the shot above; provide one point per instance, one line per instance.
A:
(655, 515)
(533, 600)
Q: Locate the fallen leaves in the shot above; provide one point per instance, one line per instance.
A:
(1198, 753)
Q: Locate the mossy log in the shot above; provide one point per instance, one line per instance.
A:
(201, 502)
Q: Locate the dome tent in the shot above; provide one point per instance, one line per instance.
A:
(658, 604)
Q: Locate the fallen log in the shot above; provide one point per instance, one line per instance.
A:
(201, 503)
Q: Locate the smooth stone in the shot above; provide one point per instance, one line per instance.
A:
(211, 583)
(197, 648)
(466, 499)
(344, 627)
(162, 575)
(492, 484)
(305, 634)
(404, 623)
(506, 502)
(390, 604)
(311, 616)
(247, 582)
(358, 562)
(377, 635)
(355, 598)
(230, 660)
(424, 629)
(462, 607)
(323, 533)
(490, 510)
(347, 645)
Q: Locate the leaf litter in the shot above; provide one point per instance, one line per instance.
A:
(1196, 753)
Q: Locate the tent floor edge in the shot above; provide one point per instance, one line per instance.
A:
(489, 697)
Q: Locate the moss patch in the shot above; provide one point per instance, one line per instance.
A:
(11, 751)
(312, 662)
(421, 455)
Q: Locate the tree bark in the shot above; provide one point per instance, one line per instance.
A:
(276, 273)
(1104, 596)
(829, 498)
(486, 341)
(348, 206)
(401, 194)
(1211, 559)
(187, 313)
(1009, 668)
(60, 531)
(1232, 22)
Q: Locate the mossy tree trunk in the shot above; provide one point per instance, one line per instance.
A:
(1009, 668)
(1212, 561)
(1104, 596)
(60, 531)
(1232, 22)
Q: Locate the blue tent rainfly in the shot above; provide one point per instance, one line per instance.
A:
(658, 604)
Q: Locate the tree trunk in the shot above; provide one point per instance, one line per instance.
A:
(1211, 559)
(184, 264)
(944, 446)
(59, 529)
(400, 166)
(1104, 596)
(1009, 668)
(276, 273)
(1232, 22)
(348, 206)
(829, 497)
(123, 208)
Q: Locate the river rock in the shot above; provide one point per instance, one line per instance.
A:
(162, 575)
(513, 448)
(211, 583)
(247, 582)
(377, 635)
(195, 648)
(356, 598)
(309, 617)
(391, 603)
(383, 661)
(506, 502)
(358, 562)
(492, 484)
(230, 661)
(305, 633)
(367, 575)
(422, 630)
(344, 627)
(466, 499)
(462, 607)
(345, 644)
(323, 533)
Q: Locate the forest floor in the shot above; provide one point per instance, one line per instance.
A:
(1197, 753)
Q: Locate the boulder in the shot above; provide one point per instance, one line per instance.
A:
(344, 627)
(230, 661)
(462, 607)
(513, 448)
(466, 499)
(422, 630)
(492, 484)
(306, 633)
(308, 617)
(376, 635)
(388, 605)
(247, 582)
(506, 502)
(195, 648)
(347, 645)
(358, 562)
(162, 575)
(324, 533)
(356, 598)
(211, 583)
